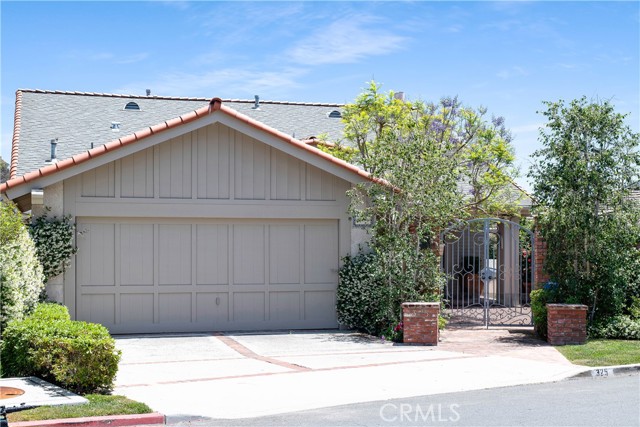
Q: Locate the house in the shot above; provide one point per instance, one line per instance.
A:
(192, 214)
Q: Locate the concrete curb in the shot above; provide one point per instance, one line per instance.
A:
(109, 420)
(608, 371)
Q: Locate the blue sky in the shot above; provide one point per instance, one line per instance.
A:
(506, 56)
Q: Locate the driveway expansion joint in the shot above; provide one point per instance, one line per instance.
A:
(246, 352)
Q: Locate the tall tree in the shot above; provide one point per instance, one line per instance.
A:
(583, 180)
(440, 161)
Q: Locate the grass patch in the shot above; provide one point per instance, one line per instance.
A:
(603, 352)
(99, 405)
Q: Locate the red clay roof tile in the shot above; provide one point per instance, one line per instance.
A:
(15, 140)
(143, 133)
(63, 164)
(48, 170)
(128, 139)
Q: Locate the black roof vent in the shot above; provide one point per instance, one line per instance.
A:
(335, 114)
(132, 106)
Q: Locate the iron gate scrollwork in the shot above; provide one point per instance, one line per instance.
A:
(489, 266)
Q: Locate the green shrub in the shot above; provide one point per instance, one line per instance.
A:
(442, 322)
(634, 307)
(363, 297)
(539, 300)
(78, 356)
(21, 278)
(618, 327)
(51, 312)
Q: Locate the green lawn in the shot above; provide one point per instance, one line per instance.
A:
(99, 405)
(603, 352)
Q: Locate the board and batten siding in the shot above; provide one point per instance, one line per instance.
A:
(210, 230)
(211, 163)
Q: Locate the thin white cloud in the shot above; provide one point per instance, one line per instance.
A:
(228, 82)
(108, 57)
(178, 4)
(513, 71)
(347, 40)
(455, 28)
(130, 59)
(100, 56)
(567, 66)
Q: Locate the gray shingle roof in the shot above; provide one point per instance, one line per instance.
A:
(79, 119)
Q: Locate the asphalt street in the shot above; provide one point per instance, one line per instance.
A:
(613, 401)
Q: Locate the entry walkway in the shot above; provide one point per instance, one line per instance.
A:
(248, 375)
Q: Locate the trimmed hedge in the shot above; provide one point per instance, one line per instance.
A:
(363, 299)
(78, 356)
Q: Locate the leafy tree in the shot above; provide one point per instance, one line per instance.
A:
(434, 163)
(4, 171)
(583, 178)
(479, 152)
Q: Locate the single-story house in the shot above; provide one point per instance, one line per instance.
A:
(191, 214)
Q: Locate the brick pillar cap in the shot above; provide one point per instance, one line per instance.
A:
(421, 304)
(568, 306)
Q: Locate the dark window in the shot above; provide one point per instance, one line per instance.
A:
(132, 106)
(335, 114)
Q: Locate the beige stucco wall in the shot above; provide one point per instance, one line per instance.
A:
(54, 199)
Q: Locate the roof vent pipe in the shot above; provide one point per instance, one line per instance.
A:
(399, 96)
(148, 92)
(54, 146)
(256, 105)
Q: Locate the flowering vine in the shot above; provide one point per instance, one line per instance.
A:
(53, 238)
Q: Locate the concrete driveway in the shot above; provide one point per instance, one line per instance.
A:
(246, 375)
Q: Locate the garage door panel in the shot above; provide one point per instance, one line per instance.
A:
(321, 258)
(174, 307)
(212, 307)
(99, 308)
(96, 255)
(136, 308)
(320, 305)
(248, 254)
(284, 305)
(284, 254)
(248, 306)
(212, 248)
(136, 254)
(174, 254)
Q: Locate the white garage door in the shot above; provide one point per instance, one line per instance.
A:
(138, 276)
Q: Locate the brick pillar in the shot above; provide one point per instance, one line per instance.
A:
(420, 322)
(540, 255)
(566, 324)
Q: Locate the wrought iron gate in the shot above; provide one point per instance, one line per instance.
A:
(489, 265)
